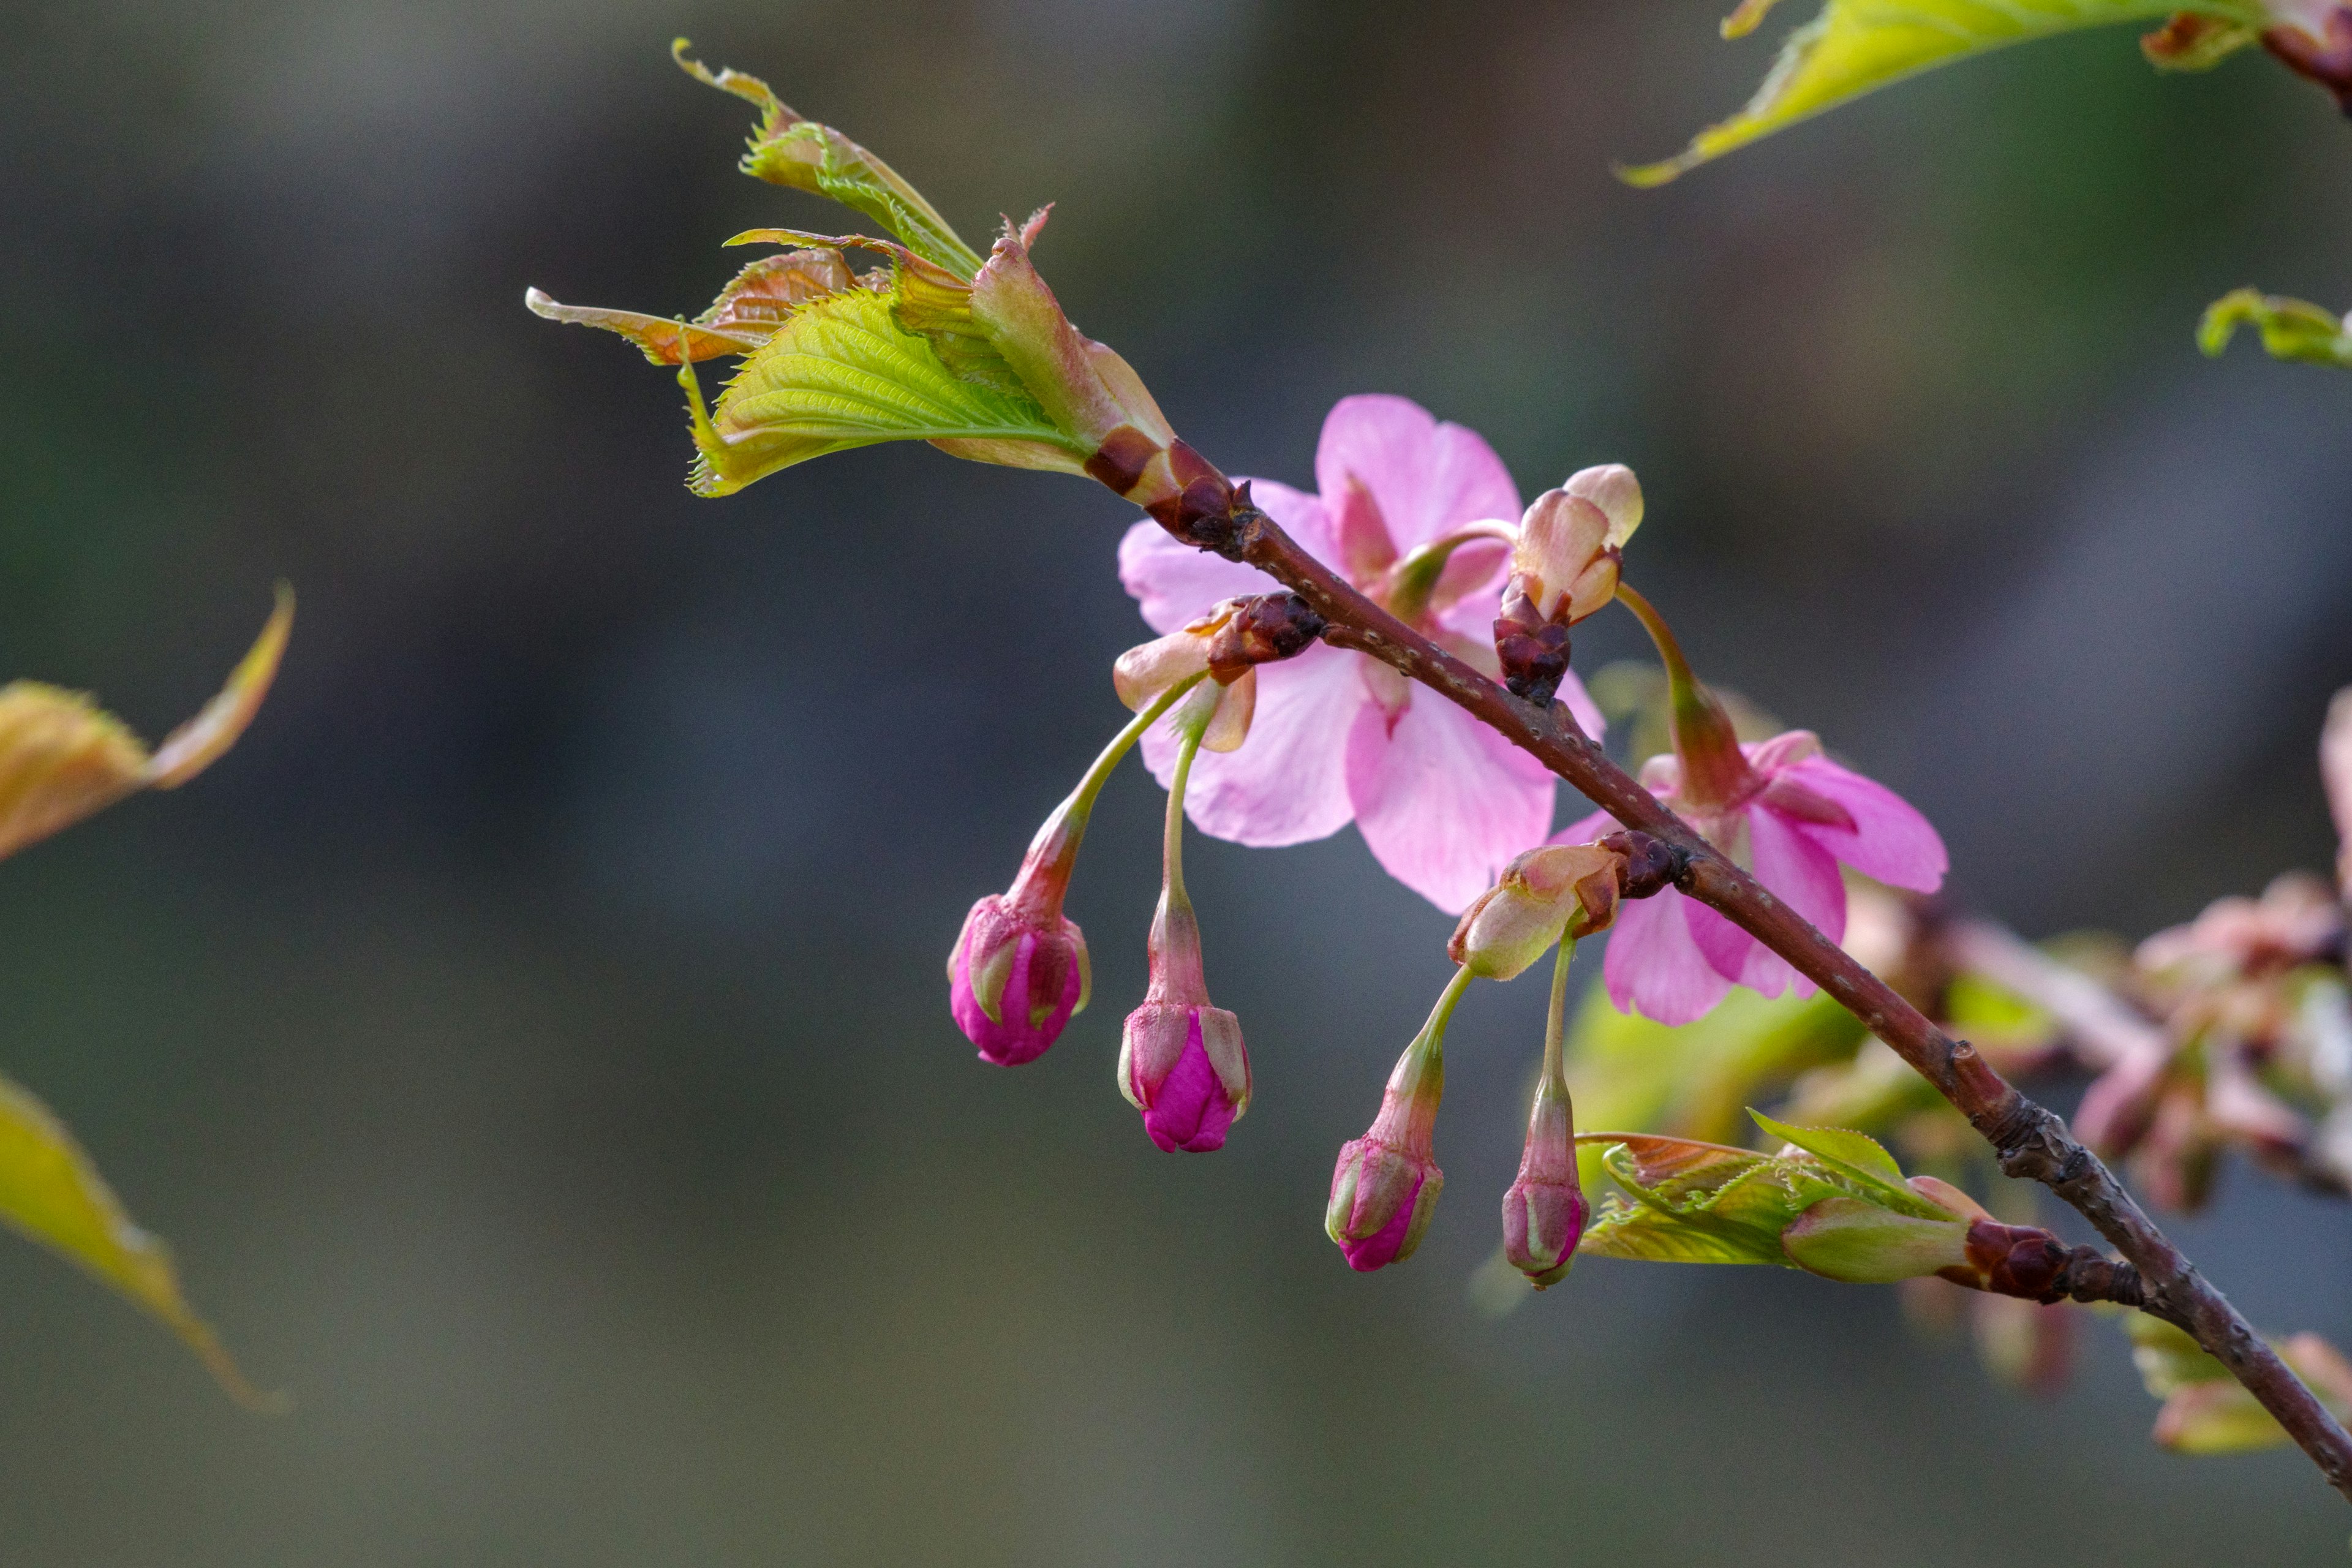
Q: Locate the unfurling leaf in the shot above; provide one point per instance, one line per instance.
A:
(843, 372)
(2290, 329)
(789, 149)
(746, 314)
(63, 758)
(1837, 1206)
(2207, 1412)
(50, 1193)
(1855, 46)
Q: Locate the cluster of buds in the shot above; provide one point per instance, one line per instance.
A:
(1564, 567)
(1019, 971)
(1384, 1188)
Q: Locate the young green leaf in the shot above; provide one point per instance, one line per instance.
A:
(1859, 1159)
(1838, 1206)
(52, 1193)
(1855, 46)
(789, 149)
(2290, 329)
(843, 372)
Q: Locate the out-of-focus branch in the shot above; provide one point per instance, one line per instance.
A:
(2030, 1140)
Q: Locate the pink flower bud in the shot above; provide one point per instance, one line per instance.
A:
(1015, 976)
(1385, 1189)
(1545, 1211)
(1186, 1070)
(1381, 1200)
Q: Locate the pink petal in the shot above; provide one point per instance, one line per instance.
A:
(1443, 801)
(1890, 839)
(1288, 782)
(1427, 478)
(1585, 829)
(1653, 967)
(1802, 874)
(1172, 582)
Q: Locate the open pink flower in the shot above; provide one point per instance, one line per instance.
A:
(1795, 818)
(1420, 516)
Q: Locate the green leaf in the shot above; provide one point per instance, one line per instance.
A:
(1855, 46)
(843, 372)
(791, 150)
(1860, 1159)
(1645, 1236)
(52, 1193)
(2290, 329)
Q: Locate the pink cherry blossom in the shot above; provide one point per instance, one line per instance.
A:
(1800, 817)
(1442, 802)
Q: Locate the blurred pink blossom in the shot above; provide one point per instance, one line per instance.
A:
(1420, 516)
(1796, 819)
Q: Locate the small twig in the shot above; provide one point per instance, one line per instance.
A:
(2030, 1141)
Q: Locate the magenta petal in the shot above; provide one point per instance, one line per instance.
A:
(1190, 1113)
(1428, 478)
(1015, 1040)
(1378, 1250)
(1443, 801)
(1288, 783)
(1890, 839)
(1653, 967)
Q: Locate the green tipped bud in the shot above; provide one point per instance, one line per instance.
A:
(1854, 1240)
(1558, 889)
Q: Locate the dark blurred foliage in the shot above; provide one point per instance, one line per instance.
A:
(534, 1037)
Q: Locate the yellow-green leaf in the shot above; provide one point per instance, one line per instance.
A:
(2290, 329)
(62, 757)
(52, 1193)
(789, 148)
(1860, 1159)
(1856, 46)
(843, 372)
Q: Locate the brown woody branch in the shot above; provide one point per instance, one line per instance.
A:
(2030, 1140)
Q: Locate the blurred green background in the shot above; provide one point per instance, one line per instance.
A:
(533, 1036)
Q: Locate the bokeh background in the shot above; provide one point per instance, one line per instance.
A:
(533, 1036)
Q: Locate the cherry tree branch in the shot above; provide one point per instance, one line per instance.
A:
(2030, 1141)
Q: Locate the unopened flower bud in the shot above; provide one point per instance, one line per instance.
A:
(1015, 976)
(1859, 1242)
(1382, 1198)
(1186, 1070)
(1560, 888)
(1545, 1211)
(1384, 1188)
(1227, 644)
(1182, 1062)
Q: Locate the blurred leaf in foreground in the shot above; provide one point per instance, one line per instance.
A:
(2290, 329)
(1855, 46)
(63, 758)
(2205, 1410)
(50, 1193)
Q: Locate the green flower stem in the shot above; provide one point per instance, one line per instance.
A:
(1045, 873)
(1714, 771)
